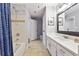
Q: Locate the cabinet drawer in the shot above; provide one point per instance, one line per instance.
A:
(51, 41)
(48, 42)
(63, 51)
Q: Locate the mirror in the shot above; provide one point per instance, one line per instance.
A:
(68, 20)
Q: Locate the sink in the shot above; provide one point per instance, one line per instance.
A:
(76, 40)
(60, 37)
(66, 37)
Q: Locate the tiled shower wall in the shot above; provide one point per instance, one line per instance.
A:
(19, 17)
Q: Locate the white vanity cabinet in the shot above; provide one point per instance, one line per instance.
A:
(48, 44)
(55, 49)
(62, 51)
(51, 45)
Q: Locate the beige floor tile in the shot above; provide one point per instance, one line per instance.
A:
(36, 48)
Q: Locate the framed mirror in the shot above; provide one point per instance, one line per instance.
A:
(68, 20)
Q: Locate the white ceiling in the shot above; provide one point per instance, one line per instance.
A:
(36, 10)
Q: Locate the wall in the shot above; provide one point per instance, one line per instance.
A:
(20, 17)
(51, 12)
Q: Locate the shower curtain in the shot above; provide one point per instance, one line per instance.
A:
(5, 30)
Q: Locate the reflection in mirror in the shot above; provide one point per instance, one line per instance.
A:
(69, 19)
(60, 21)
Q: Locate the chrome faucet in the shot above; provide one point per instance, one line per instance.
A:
(66, 37)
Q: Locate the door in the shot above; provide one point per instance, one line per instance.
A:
(33, 29)
(44, 31)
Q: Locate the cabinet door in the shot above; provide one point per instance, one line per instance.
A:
(53, 48)
(51, 45)
(62, 51)
(48, 44)
(59, 53)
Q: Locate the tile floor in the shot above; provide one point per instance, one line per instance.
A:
(36, 48)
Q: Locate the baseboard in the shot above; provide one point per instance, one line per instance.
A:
(49, 52)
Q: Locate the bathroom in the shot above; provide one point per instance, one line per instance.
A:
(39, 29)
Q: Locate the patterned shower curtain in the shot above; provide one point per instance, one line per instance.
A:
(5, 30)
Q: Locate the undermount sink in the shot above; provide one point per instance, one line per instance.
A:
(62, 38)
(66, 38)
(76, 40)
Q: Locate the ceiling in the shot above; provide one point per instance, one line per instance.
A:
(36, 10)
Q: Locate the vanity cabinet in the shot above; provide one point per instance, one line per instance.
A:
(51, 45)
(48, 44)
(53, 48)
(62, 51)
(56, 49)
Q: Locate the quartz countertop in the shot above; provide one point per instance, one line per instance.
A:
(67, 43)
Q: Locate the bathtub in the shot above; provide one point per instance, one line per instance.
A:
(19, 49)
